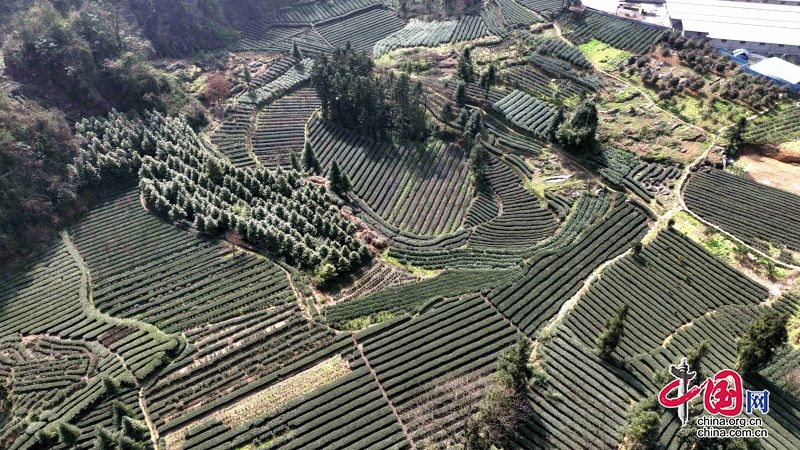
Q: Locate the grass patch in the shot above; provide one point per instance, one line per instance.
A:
(687, 108)
(603, 55)
(359, 323)
(710, 239)
(414, 270)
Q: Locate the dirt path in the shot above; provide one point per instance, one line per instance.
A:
(304, 308)
(360, 348)
(506, 318)
(570, 303)
(148, 420)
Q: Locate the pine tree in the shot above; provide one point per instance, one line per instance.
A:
(68, 433)
(336, 179)
(758, 343)
(578, 133)
(46, 437)
(111, 386)
(465, 70)
(489, 78)
(477, 166)
(294, 161)
(105, 439)
(463, 118)
(134, 428)
(310, 162)
(610, 337)
(347, 186)
(735, 138)
(120, 410)
(447, 113)
(461, 94)
(297, 54)
(512, 366)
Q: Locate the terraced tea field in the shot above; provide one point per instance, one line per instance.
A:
(513, 260)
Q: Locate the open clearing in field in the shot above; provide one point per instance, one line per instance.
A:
(771, 172)
(734, 254)
(603, 55)
(634, 123)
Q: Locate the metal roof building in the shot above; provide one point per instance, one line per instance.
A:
(779, 69)
(761, 27)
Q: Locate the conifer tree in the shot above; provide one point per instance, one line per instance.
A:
(297, 54)
(68, 433)
(489, 78)
(465, 70)
(610, 337)
(295, 161)
(461, 94)
(310, 162)
(336, 179)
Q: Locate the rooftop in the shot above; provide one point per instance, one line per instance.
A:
(778, 68)
(740, 20)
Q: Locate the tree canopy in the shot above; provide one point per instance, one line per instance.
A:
(354, 96)
(577, 134)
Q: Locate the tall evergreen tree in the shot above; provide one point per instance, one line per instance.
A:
(336, 179)
(461, 94)
(734, 137)
(758, 343)
(297, 54)
(465, 69)
(578, 134)
(448, 115)
(294, 161)
(610, 337)
(489, 78)
(310, 162)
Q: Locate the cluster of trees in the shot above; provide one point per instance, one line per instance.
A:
(577, 134)
(354, 96)
(85, 57)
(436, 9)
(127, 432)
(758, 343)
(275, 210)
(667, 85)
(38, 183)
(698, 54)
(703, 58)
(757, 92)
(339, 181)
(174, 27)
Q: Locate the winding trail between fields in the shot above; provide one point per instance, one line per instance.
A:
(87, 303)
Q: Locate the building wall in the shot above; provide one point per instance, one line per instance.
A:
(757, 47)
(760, 48)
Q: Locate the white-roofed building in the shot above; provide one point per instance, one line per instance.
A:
(778, 69)
(761, 27)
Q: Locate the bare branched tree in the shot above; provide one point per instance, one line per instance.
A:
(444, 415)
